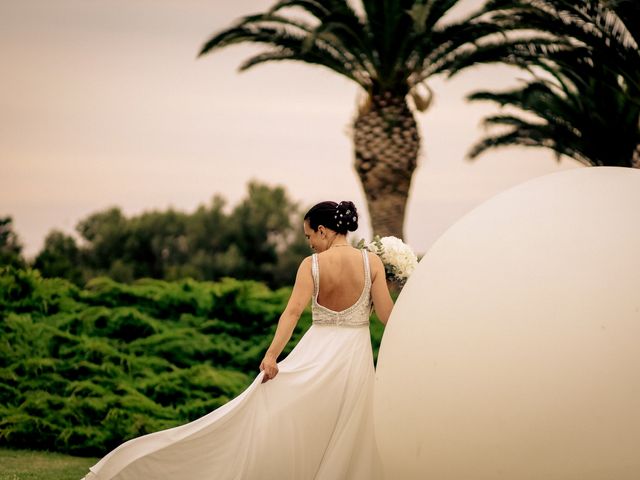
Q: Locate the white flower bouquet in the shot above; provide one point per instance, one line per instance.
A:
(397, 257)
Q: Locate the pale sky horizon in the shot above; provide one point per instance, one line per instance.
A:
(105, 104)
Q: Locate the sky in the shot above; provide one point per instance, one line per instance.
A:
(106, 104)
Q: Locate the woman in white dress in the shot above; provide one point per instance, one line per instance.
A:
(309, 416)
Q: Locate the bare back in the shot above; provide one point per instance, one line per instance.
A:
(342, 278)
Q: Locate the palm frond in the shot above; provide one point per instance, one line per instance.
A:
(439, 51)
(294, 40)
(524, 133)
(589, 121)
(519, 52)
(317, 9)
(308, 56)
(629, 12)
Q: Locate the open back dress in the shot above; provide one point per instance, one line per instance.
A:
(314, 420)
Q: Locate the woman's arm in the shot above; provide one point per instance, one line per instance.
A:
(379, 291)
(300, 296)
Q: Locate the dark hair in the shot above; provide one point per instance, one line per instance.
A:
(340, 217)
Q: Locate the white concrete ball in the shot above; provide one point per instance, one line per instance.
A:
(513, 352)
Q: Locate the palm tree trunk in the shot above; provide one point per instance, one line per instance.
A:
(386, 143)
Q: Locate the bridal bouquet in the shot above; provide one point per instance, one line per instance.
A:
(397, 257)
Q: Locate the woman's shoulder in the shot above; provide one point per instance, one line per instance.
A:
(373, 258)
(304, 268)
(375, 264)
(306, 261)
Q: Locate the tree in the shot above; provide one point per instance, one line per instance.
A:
(390, 50)
(105, 235)
(260, 239)
(261, 229)
(60, 257)
(10, 246)
(207, 234)
(157, 245)
(584, 98)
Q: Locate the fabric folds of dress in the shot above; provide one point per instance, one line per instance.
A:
(313, 421)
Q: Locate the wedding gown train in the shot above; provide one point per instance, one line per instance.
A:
(314, 420)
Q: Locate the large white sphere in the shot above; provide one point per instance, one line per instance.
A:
(513, 352)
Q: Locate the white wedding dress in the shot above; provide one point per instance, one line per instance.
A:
(314, 420)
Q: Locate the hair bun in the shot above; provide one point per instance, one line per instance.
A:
(341, 217)
(349, 215)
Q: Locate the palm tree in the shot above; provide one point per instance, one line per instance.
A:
(579, 113)
(389, 49)
(584, 98)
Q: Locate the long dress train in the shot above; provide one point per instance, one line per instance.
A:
(313, 421)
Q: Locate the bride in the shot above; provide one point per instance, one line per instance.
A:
(309, 416)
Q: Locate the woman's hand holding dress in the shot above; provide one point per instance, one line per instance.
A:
(269, 367)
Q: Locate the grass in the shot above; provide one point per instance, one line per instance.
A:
(33, 465)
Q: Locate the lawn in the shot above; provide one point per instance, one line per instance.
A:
(33, 465)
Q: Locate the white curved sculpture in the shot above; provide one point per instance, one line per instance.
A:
(513, 351)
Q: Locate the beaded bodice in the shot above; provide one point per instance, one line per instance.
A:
(357, 315)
